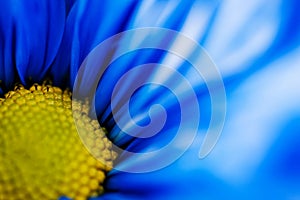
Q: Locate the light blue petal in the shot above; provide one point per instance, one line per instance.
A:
(243, 35)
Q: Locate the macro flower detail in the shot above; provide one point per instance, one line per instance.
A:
(126, 89)
(41, 155)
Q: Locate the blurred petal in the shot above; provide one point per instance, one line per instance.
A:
(157, 14)
(259, 138)
(241, 33)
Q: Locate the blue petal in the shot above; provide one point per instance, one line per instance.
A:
(240, 165)
(257, 155)
(117, 69)
(171, 14)
(89, 23)
(168, 19)
(32, 32)
(189, 184)
(242, 34)
(243, 43)
(261, 136)
(64, 198)
(7, 34)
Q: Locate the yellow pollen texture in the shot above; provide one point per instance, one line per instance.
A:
(41, 153)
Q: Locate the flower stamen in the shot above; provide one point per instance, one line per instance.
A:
(41, 154)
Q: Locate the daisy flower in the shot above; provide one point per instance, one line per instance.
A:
(126, 100)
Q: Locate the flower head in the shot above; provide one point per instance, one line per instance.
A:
(249, 43)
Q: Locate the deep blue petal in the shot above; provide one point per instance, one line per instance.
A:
(60, 69)
(92, 22)
(89, 23)
(148, 12)
(69, 5)
(7, 48)
(32, 31)
(64, 198)
(189, 184)
(140, 104)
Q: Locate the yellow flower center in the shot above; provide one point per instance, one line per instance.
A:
(41, 154)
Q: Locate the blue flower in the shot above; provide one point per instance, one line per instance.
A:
(253, 44)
